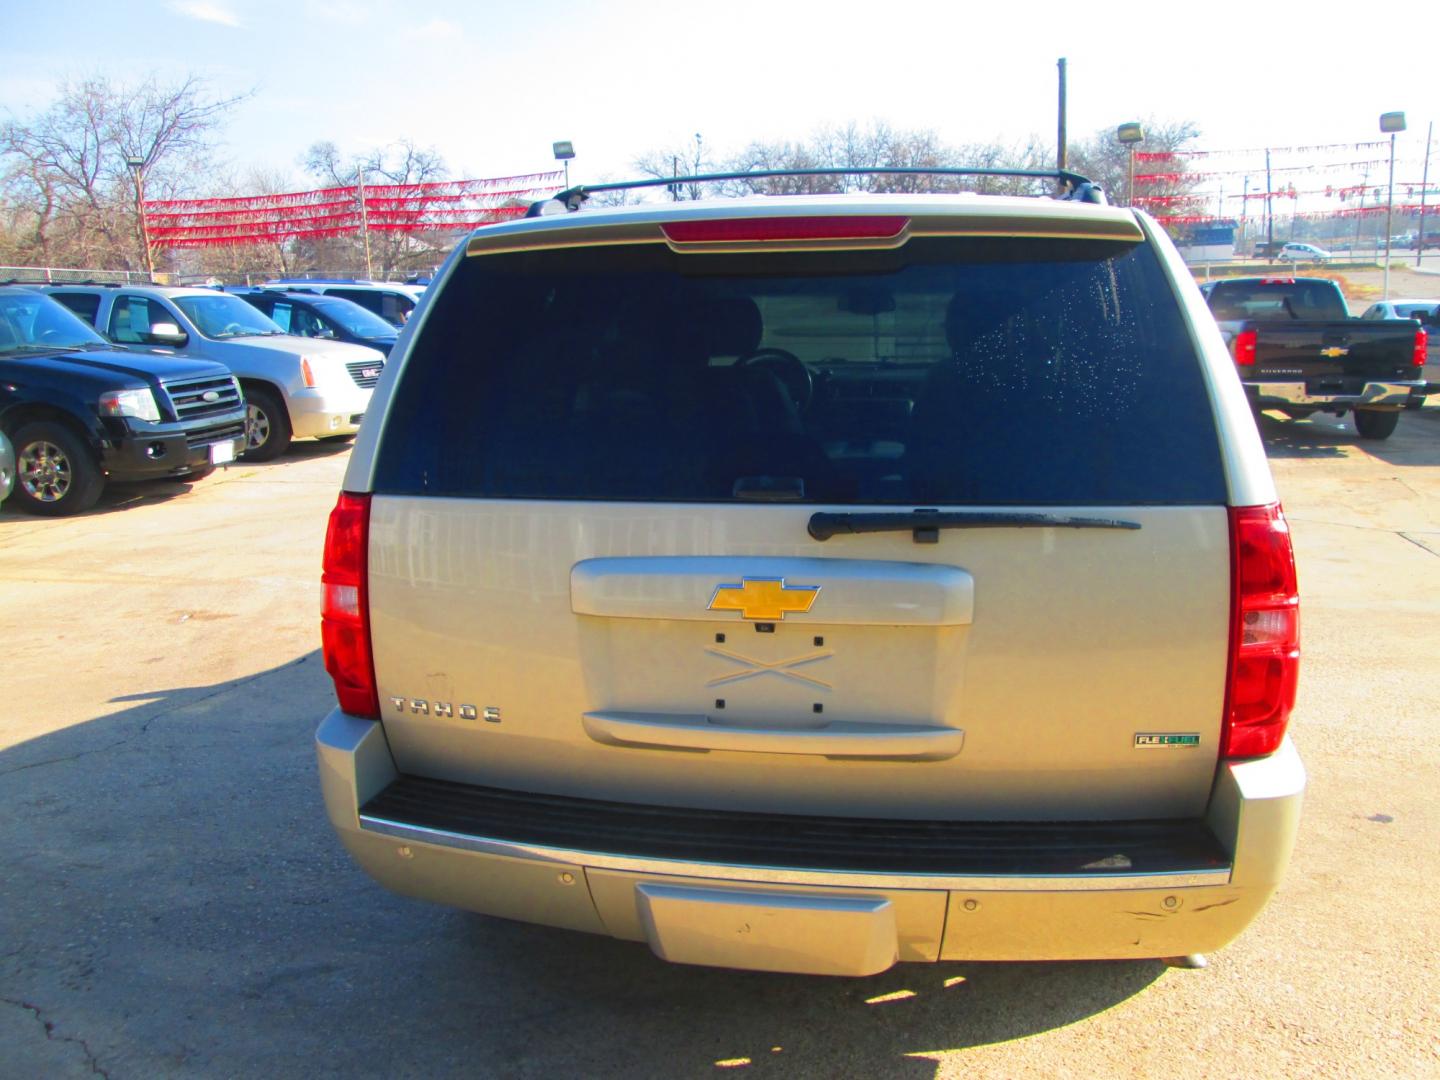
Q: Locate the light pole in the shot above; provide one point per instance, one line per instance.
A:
(1129, 135)
(364, 221)
(1424, 190)
(564, 151)
(136, 165)
(1390, 122)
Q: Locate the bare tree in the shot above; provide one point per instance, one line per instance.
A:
(851, 146)
(688, 159)
(66, 173)
(399, 163)
(241, 262)
(1106, 160)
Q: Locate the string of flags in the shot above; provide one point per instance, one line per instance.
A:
(1173, 155)
(440, 206)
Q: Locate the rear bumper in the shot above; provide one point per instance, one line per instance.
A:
(802, 917)
(1350, 394)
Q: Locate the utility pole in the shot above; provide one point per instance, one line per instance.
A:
(1245, 210)
(365, 223)
(1360, 210)
(1269, 208)
(1424, 186)
(1390, 122)
(1062, 155)
(136, 165)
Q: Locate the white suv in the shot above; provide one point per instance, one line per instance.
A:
(805, 584)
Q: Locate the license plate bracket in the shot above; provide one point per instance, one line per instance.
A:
(805, 934)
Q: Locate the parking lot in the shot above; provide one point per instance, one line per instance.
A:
(173, 901)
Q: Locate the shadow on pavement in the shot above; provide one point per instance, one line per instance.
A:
(303, 450)
(1416, 440)
(125, 496)
(174, 901)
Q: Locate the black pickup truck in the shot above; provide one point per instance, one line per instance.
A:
(1298, 350)
(81, 411)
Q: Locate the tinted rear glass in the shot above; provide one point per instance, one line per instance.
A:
(949, 372)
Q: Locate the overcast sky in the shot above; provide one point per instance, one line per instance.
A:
(491, 86)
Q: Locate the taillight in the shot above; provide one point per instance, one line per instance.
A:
(1264, 632)
(731, 230)
(1422, 346)
(1245, 347)
(345, 609)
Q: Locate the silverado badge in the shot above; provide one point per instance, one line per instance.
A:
(764, 599)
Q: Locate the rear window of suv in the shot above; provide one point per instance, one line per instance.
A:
(947, 372)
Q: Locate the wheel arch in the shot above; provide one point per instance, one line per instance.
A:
(273, 388)
(17, 416)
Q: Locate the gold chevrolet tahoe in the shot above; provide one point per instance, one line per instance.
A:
(806, 584)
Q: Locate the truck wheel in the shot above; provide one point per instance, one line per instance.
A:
(1376, 423)
(54, 471)
(267, 426)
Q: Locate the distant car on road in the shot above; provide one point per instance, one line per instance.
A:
(1303, 253)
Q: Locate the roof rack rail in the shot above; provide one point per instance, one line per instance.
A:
(1078, 188)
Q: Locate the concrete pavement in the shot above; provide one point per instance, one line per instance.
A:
(173, 903)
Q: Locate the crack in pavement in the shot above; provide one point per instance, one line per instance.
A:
(1421, 544)
(144, 727)
(49, 1028)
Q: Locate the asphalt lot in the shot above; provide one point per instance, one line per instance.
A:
(173, 902)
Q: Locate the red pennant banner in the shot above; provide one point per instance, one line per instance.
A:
(442, 206)
(1171, 155)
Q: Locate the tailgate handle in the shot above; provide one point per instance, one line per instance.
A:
(840, 739)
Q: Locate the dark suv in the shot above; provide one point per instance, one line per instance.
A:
(82, 412)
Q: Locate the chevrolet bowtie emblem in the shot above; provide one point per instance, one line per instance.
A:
(764, 599)
(1333, 351)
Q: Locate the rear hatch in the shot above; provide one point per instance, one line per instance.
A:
(618, 546)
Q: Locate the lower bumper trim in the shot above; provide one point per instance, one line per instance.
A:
(1108, 881)
(1371, 393)
(797, 848)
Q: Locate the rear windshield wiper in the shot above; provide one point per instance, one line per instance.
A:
(926, 524)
